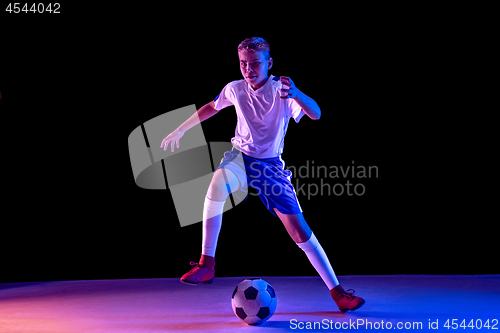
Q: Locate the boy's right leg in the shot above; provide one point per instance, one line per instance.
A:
(217, 193)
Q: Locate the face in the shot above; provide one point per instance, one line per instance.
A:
(254, 67)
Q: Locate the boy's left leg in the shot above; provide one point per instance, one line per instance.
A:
(302, 235)
(299, 231)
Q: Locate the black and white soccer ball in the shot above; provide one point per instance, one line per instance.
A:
(254, 301)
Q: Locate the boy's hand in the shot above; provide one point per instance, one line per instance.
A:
(292, 90)
(174, 137)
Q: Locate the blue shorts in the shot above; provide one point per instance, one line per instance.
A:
(269, 178)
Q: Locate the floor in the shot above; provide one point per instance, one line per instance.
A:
(415, 302)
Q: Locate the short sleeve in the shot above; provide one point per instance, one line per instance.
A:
(295, 110)
(225, 98)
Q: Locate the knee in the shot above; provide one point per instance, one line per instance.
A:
(299, 234)
(217, 191)
(302, 236)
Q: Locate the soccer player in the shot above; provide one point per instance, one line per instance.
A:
(264, 104)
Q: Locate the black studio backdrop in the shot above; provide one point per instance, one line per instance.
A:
(71, 97)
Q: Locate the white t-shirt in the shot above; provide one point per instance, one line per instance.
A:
(262, 116)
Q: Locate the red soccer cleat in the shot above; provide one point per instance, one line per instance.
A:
(203, 272)
(346, 300)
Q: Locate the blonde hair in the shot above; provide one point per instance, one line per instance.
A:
(256, 44)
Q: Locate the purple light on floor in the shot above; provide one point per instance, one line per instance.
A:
(157, 305)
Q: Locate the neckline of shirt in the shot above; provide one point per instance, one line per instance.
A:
(268, 82)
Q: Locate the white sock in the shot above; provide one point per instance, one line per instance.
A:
(319, 260)
(212, 221)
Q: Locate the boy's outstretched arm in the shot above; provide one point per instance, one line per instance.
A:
(203, 113)
(308, 105)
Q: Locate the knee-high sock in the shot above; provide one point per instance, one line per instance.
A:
(212, 221)
(319, 260)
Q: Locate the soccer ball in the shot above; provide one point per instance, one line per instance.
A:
(254, 301)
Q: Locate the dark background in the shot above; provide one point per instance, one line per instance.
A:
(74, 87)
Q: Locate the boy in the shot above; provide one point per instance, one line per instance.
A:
(264, 104)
